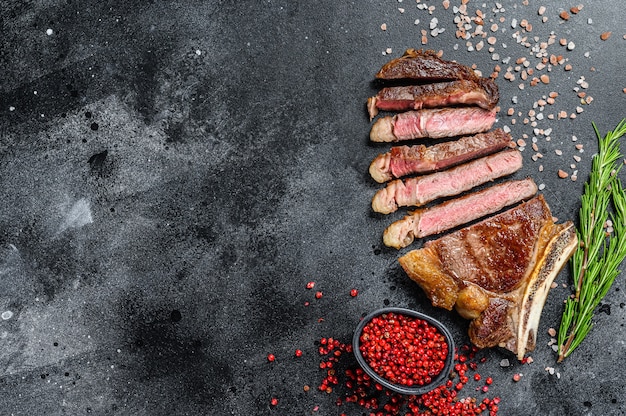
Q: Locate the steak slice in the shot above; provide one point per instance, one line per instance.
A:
(481, 91)
(432, 123)
(496, 272)
(405, 160)
(425, 66)
(445, 216)
(421, 190)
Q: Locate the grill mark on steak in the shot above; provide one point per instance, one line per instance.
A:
(498, 267)
(482, 92)
(450, 214)
(496, 272)
(423, 65)
(405, 160)
(432, 123)
(421, 190)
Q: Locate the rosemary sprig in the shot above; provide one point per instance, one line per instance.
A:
(595, 264)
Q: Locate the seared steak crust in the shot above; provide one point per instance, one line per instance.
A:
(496, 251)
(424, 65)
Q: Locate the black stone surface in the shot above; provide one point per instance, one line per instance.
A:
(174, 173)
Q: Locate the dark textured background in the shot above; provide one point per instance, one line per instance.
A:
(174, 173)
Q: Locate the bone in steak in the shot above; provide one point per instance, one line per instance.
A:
(481, 91)
(421, 190)
(434, 123)
(405, 160)
(424, 66)
(458, 211)
(497, 273)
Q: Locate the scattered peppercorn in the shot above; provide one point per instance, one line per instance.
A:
(355, 387)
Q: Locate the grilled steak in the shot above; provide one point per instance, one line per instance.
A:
(421, 190)
(445, 216)
(405, 160)
(481, 91)
(433, 123)
(497, 273)
(425, 66)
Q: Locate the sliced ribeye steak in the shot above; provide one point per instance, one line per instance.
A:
(424, 65)
(456, 212)
(434, 123)
(482, 92)
(497, 273)
(405, 160)
(419, 191)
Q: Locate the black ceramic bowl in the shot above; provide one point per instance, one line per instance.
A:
(399, 388)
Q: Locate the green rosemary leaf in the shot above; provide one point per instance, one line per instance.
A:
(595, 264)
